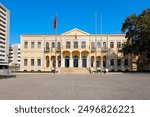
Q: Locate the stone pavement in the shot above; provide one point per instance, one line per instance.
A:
(76, 86)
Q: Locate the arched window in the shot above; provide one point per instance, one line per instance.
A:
(92, 61)
(53, 44)
(92, 45)
(59, 45)
(47, 45)
(47, 61)
(104, 44)
(97, 63)
(98, 45)
(54, 63)
(104, 61)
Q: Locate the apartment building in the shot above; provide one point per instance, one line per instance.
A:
(14, 55)
(4, 36)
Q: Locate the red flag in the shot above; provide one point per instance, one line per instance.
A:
(75, 36)
(55, 23)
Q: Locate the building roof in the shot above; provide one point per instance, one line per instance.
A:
(71, 32)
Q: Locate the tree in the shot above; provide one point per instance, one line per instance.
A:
(137, 29)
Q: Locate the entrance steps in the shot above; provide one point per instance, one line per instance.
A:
(74, 70)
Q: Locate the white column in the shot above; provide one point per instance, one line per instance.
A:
(44, 63)
(108, 59)
(122, 63)
(80, 60)
(108, 62)
(88, 60)
(115, 63)
(94, 64)
(56, 61)
(50, 63)
(71, 61)
(62, 61)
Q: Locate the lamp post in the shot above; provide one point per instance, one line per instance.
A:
(8, 65)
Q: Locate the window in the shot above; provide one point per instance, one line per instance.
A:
(118, 44)
(53, 44)
(25, 44)
(39, 44)
(112, 62)
(32, 62)
(68, 44)
(83, 44)
(126, 62)
(32, 44)
(47, 45)
(111, 44)
(39, 62)
(75, 44)
(104, 45)
(98, 45)
(25, 62)
(47, 61)
(92, 45)
(119, 62)
(59, 45)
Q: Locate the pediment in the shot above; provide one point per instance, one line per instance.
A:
(75, 31)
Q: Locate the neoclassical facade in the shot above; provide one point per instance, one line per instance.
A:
(73, 49)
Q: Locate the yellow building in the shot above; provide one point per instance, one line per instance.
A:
(76, 50)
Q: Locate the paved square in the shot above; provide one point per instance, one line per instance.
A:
(76, 86)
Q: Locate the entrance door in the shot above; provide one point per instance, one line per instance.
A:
(84, 61)
(75, 61)
(67, 59)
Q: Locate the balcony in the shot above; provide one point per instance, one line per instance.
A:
(58, 49)
(93, 49)
(104, 49)
(46, 49)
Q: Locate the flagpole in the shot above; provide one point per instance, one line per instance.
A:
(101, 43)
(96, 41)
(55, 43)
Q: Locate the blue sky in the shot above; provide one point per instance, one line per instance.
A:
(36, 16)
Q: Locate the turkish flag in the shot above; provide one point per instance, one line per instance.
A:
(55, 23)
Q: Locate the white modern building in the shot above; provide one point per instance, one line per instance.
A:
(14, 55)
(4, 36)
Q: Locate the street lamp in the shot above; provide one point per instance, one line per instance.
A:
(8, 65)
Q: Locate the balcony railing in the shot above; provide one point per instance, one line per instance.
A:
(93, 48)
(79, 47)
(46, 49)
(58, 49)
(104, 49)
(52, 49)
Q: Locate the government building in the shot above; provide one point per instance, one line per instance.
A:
(74, 51)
